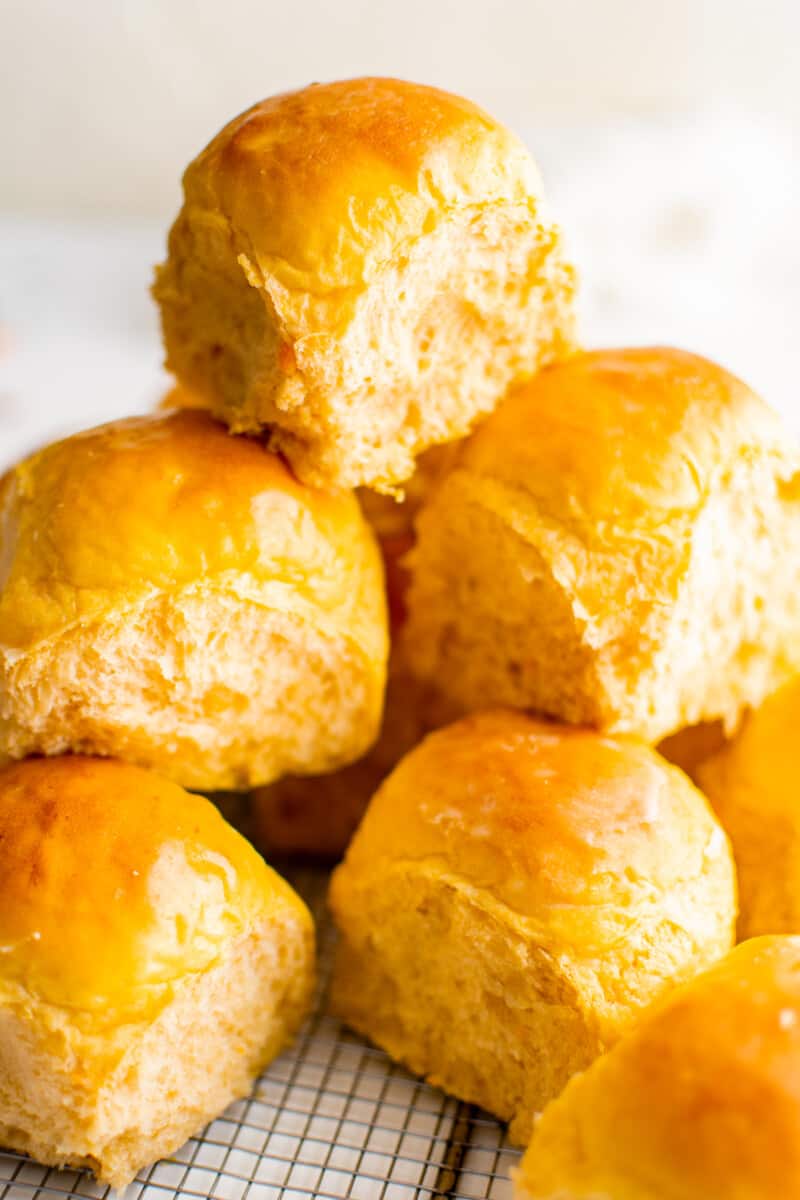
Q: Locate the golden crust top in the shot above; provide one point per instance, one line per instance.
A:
(109, 516)
(544, 817)
(115, 884)
(324, 184)
(702, 1099)
(624, 437)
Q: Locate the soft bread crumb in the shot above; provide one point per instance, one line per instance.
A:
(204, 686)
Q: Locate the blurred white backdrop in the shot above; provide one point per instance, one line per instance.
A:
(102, 102)
(667, 134)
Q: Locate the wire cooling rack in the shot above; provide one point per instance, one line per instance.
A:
(331, 1118)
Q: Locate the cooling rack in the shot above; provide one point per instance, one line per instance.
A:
(331, 1118)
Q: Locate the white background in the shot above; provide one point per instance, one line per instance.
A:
(667, 133)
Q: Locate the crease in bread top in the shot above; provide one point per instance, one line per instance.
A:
(111, 516)
(325, 185)
(577, 835)
(116, 884)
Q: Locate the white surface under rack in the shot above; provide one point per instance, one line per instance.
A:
(331, 1118)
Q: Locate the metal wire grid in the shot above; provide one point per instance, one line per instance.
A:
(331, 1118)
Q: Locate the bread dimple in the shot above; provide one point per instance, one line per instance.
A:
(105, 915)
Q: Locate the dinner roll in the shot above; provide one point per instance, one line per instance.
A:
(754, 786)
(172, 596)
(152, 964)
(317, 815)
(700, 1102)
(516, 894)
(617, 546)
(337, 249)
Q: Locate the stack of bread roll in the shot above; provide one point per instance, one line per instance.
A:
(399, 557)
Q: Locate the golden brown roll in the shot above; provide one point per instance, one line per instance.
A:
(700, 1102)
(172, 596)
(152, 964)
(753, 784)
(337, 249)
(516, 894)
(616, 547)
